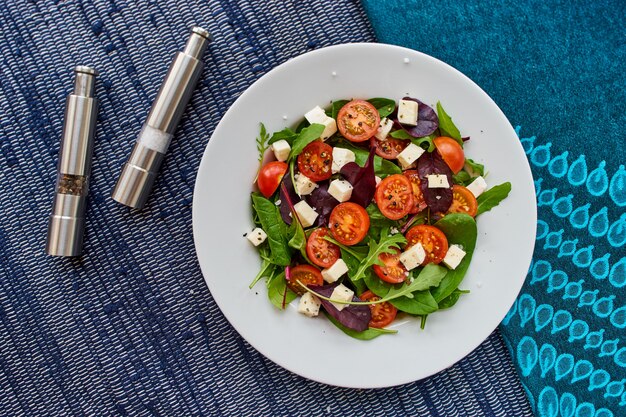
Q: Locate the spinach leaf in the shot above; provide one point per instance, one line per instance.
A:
(452, 299)
(304, 123)
(335, 107)
(285, 134)
(276, 229)
(306, 136)
(400, 134)
(492, 197)
(386, 244)
(474, 169)
(377, 285)
(276, 287)
(378, 221)
(447, 126)
(382, 167)
(425, 142)
(297, 238)
(368, 334)
(462, 177)
(460, 229)
(384, 106)
(261, 146)
(420, 304)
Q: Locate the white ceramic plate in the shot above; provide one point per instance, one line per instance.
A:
(314, 348)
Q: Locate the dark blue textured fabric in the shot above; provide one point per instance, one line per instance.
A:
(557, 68)
(130, 327)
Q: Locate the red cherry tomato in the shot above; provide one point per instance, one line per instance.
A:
(393, 271)
(433, 241)
(270, 176)
(307, 275)
(316, 161)
(349, 223)
(463, 201)
(451, 152)
(320, 251)
(394, 196)
(418, 197)
(358, 120)
(382, 313)
(389, 148)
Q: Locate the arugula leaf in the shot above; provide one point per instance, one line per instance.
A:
(261, 146)
(267, 267)
(386, 244)
(430, 276)
(384, 106)
(474, 169)
(420, 304)
(276, 287)
(276, 229)
(368, 334)
(492, 197)
(447, 126)
(304, 123)
(452, 299)
(335, 107)
(460, 229)
(306, 136)
(285, 134)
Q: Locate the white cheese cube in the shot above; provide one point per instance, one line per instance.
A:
(413, 257)
(454, 256)
(437, 181)
(341, 156)
(378, 180)
(318, 115)
(341, 190)
(341, 293)
(281, 150)
(305, 213)
(303, 185)
(384, 129)
(478, 186)
(257, 236)
(409, 155)
(335, 272)
(407, 112)
(309, 305)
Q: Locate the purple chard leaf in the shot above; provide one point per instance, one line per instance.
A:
(322, 202)
(438, 199)
(363, 180)
(427, 120)
(355, 317)
(291, 195)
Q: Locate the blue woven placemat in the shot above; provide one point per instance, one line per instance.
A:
(130, 327)
(558, 68)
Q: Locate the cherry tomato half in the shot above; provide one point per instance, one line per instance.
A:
(316, 161)
(389, 148)
(418, 197)
(394, 196)
(393, 271)
(349, 223)
(451, 152)
(307, 275)
(433, 241)
(270, 176)
(463, 201)
(358, 120)
(382, 313)
(320, 251)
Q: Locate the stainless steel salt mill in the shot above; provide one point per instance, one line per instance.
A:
(67, 221)
(138, 174)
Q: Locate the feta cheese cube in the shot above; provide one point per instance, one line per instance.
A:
(341, 190)
(384, 129)
(303, 185)
(309, 305)
(257, 236)
(281, 150)
(478, 186)
(305, 213)
(318, 115)
(409, 155)
(454, 256)
(341, 293)
(341, 156)
(437, 181)
(413, 257)
(378, 180)
(335, 272)
(407, 112)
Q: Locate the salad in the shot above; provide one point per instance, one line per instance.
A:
(367, 212)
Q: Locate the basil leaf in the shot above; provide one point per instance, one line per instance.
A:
(285, 134)
(335, 107)
(276, 288)
(460, 229)
(421, 304)
(368, 334)
(274, 227)
(447, 126)
(474, 169)
(452, 299)
(306, 136)
(492, 197)
(384, 106)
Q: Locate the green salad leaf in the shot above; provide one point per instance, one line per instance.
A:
(277, 291)
(474, 169)
(452, 299)
(261, 146)
(382, 167)
(421, 303)
(385, 106)
(386, 244)
(285, 134)
(305, 136)
(492, 197)
(462, 178)
(368, 334)
(447, 126)
(335, 107)
(275, 227)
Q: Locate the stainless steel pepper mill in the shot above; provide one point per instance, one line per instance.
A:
(67, 221)
(138, 174)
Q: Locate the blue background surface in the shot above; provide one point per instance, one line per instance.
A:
(556, 68)
(130, 327)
